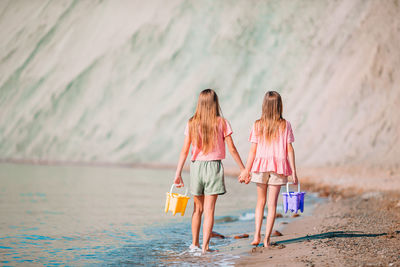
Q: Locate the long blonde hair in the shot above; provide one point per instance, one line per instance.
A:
(271, 122)
(203, 126)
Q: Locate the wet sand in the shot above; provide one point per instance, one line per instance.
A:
(359, 226)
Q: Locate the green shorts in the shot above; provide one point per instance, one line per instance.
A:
(207, 178)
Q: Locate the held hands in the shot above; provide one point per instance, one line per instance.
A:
(178, 181)
(240, 179)
(244, 176)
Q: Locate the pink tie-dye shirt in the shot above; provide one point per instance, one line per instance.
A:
(273, 156)
(218, 152)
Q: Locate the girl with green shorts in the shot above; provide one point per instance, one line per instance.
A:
(207, 132)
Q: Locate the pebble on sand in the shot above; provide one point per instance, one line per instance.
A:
(218, 235)
(241, 236)
(276, 233)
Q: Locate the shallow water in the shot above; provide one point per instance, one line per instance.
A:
(63, 215)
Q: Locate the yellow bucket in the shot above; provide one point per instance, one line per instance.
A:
(176, 202)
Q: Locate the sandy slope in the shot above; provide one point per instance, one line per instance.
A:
(115, 81)
(350, 87)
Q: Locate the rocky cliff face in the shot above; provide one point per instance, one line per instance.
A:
(115, 81)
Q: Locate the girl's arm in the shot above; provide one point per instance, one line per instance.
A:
(250, 159)
(182, 158)
(292, 162)
(233, 151)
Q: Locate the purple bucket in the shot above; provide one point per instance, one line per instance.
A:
(293, 201)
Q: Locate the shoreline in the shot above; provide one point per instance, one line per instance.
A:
(358, 226)
(328, 181)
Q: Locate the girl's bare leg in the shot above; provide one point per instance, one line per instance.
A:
(196, 219)
(209, 208)
(272, 200)
(259, 212)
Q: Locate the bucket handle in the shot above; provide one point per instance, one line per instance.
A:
(170, 191)
(298, 187)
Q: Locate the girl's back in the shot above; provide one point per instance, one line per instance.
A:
(272, 155)
(217, 151)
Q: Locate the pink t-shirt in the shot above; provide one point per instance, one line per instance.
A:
(272, 157)
(218, 152)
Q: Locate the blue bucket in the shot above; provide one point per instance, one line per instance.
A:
(293, 201)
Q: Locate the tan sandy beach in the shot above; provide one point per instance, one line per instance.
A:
(359, 226)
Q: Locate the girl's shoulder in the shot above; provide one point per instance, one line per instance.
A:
(289, 129)
(224, 125)
(286, 126)
(191, 120)
(222, 120)
(257, 124)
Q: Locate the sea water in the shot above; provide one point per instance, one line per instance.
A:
(75, 215)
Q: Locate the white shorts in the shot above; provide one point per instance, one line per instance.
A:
(268, 178)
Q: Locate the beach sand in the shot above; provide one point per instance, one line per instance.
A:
(358, 226)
